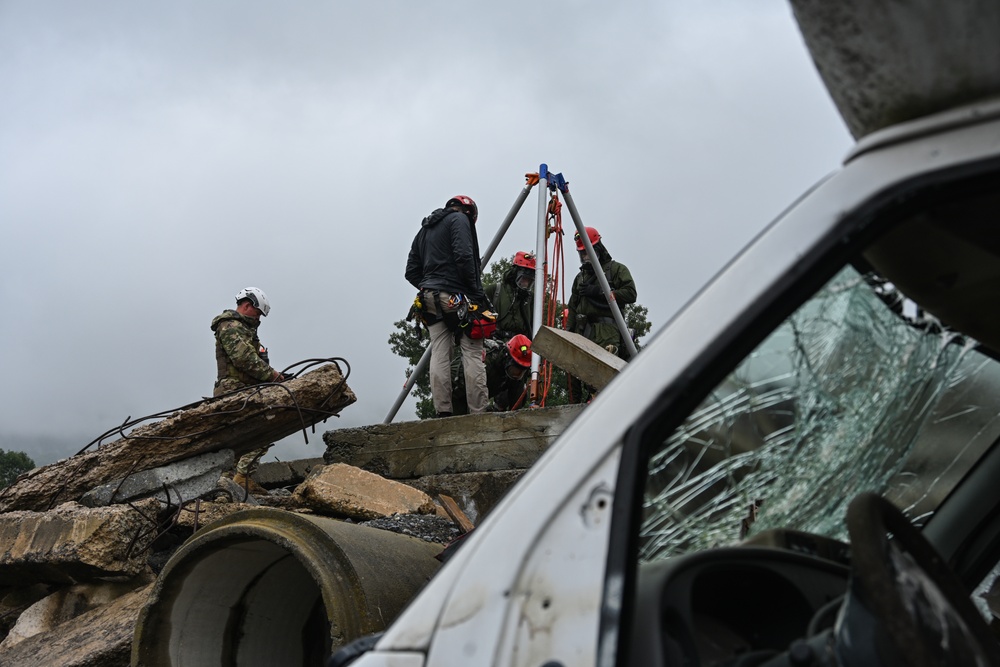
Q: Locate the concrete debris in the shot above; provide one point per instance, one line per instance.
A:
(476, 493)
(345, 490)
(14, 602)
(200, 514)
(276, 474)
(240, 421)
(579, 356)
(469, 443)
(880, 67)
(74, 543)
(66, 604)
(428, 527)
(235, 492)
(170, 484)
(101, 637)
(82, 538)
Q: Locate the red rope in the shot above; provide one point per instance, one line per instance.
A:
(555, 289)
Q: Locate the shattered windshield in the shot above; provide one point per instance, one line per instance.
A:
(845, 396)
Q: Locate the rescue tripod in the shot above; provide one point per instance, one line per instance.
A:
(554, 182)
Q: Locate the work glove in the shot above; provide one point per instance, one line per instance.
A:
(591, 289)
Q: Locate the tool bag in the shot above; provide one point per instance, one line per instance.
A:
(480, 328)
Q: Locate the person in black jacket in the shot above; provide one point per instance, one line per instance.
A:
(444, 266)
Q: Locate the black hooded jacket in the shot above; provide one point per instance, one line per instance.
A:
(445, 256)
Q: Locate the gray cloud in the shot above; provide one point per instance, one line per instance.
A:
(156, 159)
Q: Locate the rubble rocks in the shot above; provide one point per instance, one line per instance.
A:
(73, 543)
(240, 421)
(348, 491)
(200, 514)
(275, 474)
(174, 483)
(477, 493)
(74, 579)
(101, 637)
(428, 527)
(66, 604)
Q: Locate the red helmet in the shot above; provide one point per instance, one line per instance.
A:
(592, 233)
(525, 259)
(462, 200)
(520, 350)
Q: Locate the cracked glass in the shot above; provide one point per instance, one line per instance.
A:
(856, 391)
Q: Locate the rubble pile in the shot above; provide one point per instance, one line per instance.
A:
(86, 538)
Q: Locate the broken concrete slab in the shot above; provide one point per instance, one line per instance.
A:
(881, 66)
(241, 421)
(578, 356)
(286, 473)
(469, 443)
(172, 484)
(73, 543)
(66, 604)
(15, 600)
(101, 637)
(345, 490)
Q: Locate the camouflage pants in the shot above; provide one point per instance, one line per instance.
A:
(247, 464)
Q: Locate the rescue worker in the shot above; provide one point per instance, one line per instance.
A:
(513, 297)
(444, 266)
(507, 366)
(589, 311)
(242, 361)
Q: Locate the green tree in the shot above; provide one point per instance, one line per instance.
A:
(13, 464)
(409, 341)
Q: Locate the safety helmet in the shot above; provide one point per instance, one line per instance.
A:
(462, 200)
(525, 259)
(592, 234)
(255, 296)
(520, 349)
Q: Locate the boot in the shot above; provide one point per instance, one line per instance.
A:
(250, 484)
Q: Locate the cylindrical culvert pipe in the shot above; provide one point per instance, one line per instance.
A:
(267, 587)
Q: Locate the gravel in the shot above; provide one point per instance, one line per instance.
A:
(428, 527)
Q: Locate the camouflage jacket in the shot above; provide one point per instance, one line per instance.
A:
(591, 315)
(513, 307)
(240, 357)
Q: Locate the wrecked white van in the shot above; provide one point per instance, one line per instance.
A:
(802, 467)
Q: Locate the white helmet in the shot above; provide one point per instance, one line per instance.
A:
(257, 297)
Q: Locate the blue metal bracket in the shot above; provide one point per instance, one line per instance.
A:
(554, 180)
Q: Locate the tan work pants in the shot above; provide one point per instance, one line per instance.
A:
(473, 361)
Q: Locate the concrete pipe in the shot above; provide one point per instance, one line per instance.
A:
(266, 587)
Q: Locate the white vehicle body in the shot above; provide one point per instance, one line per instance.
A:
(531, 584)
(545, 580)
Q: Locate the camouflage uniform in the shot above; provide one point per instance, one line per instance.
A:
(590, 314)
(513, 306)
(242, 361)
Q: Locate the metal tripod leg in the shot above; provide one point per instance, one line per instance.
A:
(425, 360)
(541, 248)
(601, 278)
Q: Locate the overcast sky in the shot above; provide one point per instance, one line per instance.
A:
(157, 157)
